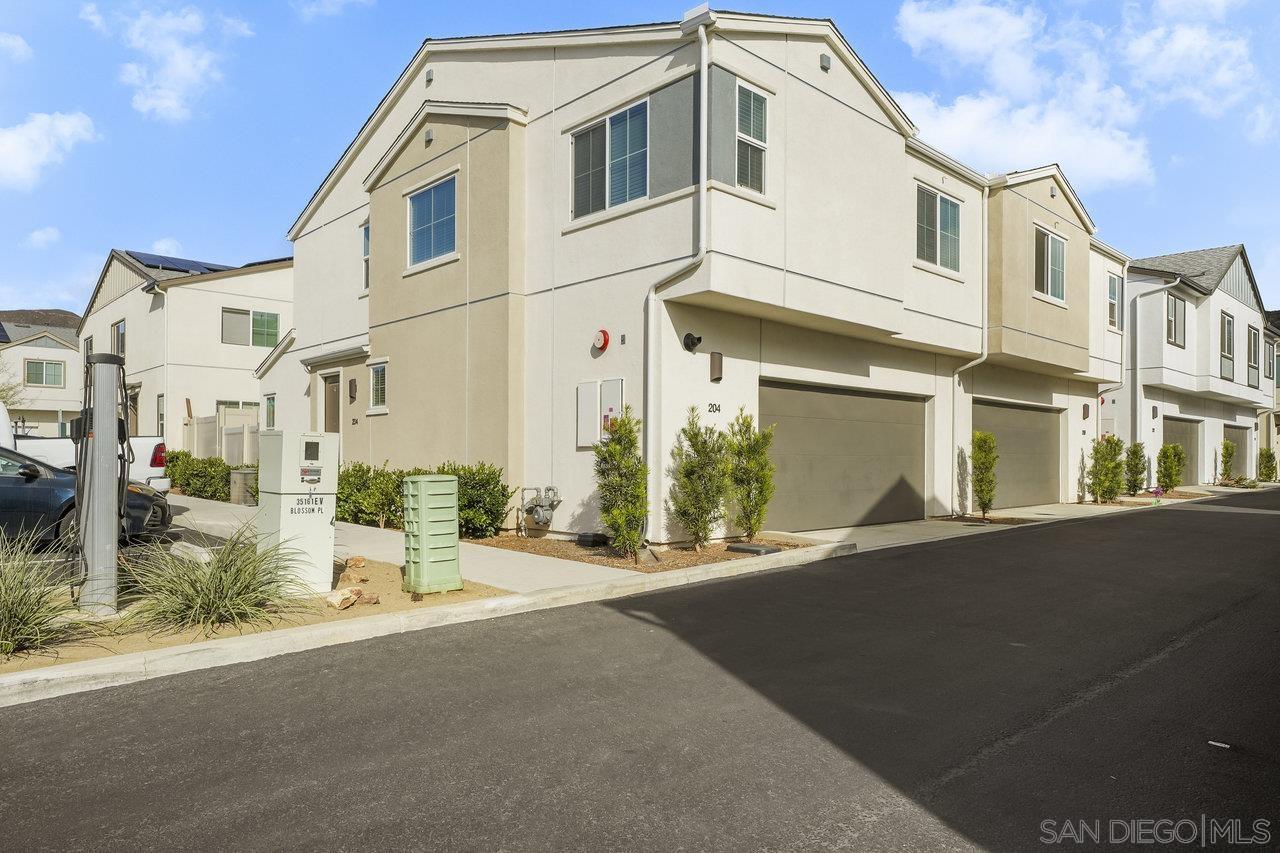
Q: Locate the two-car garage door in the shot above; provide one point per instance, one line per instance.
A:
(843, 458)
(1027, 442)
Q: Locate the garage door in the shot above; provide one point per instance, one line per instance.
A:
(1027, 442)
(1239, 436)
(843, 458)
(1187, 434)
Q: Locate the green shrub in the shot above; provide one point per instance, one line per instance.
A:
(205, 478)
(622, 478)
(241, 584)
(700, 479)
(1106, 469)
(984, 470)
(1135, 468)
(1228, 457)
(353, 481)
(36, 612)
(1170, 461)
(177, 466)
(750, 474)
(483, 498)
(1267, 465)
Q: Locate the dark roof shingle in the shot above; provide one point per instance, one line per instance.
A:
(1204, 268)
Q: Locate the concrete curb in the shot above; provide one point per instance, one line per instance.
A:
(59, 680)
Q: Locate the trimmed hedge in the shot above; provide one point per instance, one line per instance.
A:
(199, 478)
(372, 496)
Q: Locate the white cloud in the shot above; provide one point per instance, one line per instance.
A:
(43, 140)
(992, 35)
(15, 47)
(1195, 9)
(167, 246)
(1205, 67)
(309, 9)
(179, 66)
(43, 238)
(90, 14)
(1260, 124)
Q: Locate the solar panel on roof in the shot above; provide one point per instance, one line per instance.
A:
(165, 262)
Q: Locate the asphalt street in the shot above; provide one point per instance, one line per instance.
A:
(982, 692)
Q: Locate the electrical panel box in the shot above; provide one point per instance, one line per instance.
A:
(610, 402)
(297, 485)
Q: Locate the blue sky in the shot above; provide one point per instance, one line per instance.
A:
(201, 128)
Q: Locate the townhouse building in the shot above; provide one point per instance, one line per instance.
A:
(40, 360)
(191, 333)
(1202, 359)
(1269, 423)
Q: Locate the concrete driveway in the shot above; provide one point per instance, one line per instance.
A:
(977, 692)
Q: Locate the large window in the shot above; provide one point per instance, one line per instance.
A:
(1227, 346)
(1051, 265)
(44, 374)
(1255, 355)
(241, 327)
(432, 232)
(378, 386)
(364, 237)
(937, 229)
(611, 161)
(752, 138)
(1115, 301)
(1175, 320)
(117, 338)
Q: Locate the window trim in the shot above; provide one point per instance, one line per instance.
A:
(44, 373)
(409, 195)
(1253, 354)
(377, 408)
(1172, 299)
(935, 266)
(1226, 345)
(119, 330)
(1115, 305)
(1047, 294)
(739, 136)
(1268, 359)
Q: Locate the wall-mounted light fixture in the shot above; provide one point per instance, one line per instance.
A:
(351, 390)
(717, 367)
(690, 341)
(1155, 412)
(1086, 411)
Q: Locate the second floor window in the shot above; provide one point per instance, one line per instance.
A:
(937, 229)
(88, 346)
(1255, 355)
(1175, 320)
(44, 374)
(1051, 265)
(364, 236)
(431, 222)
(752, 138)
(270, 413)
(611, 161)
(1227, 346)
(241, 327)
(117, 338)
(1269, 361)
(1115, 302)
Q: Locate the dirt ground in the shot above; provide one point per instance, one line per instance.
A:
(977, 519)
(667, 558)
(384, 579)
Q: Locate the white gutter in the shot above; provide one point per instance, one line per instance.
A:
(702, 18)
(955, 377)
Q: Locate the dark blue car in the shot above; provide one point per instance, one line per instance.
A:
(37, 496)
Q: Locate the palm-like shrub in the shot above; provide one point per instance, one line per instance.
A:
(36, 611)
(622, 478)
(240, 584)
(1170, 461)
(1267, 465)
(699, 479)
(1135, 468)
(750, 474)
(1106, 469)
(1228, 460)
(984, 470)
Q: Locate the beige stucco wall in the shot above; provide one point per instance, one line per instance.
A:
(1023, 325)
(453, 332)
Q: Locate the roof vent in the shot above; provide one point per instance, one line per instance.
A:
(428, 77)
(824, 61)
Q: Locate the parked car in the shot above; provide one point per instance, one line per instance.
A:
(37, 496)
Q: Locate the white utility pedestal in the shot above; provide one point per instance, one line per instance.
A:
(297, 484)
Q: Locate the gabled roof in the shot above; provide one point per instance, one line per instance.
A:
(1204, 269)
(632, 33)
(505, 112)
(21, 333)
(59, 317)
(1053, 170)
(1273, 321)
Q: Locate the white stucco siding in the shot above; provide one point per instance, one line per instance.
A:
(1106, 342)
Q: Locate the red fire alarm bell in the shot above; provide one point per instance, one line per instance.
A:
(601, 341)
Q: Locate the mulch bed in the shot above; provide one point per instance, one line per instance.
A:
(977, 519)
(667, 558)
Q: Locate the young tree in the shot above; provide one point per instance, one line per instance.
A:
(750, 473)
(622, 477)
(1170, 461)
(12, 392)
(1267, 465)
(699, 479)
(1228, 457)
(1135, 468)
(1106, 469)
(984, 470)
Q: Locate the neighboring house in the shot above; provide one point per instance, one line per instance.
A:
(1055, 335)
(191, 333)
(40, 357)
(1197, 369)
(1269, 423)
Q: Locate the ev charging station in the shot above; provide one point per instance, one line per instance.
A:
(103, 455)
(297, 488)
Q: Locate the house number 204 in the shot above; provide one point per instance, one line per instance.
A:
(713, 408)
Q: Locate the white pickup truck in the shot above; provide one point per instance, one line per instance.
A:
(148, 452)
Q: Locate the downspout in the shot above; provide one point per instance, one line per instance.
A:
(652, 444)
(955, 376)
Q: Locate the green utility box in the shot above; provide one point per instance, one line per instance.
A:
(431, 534)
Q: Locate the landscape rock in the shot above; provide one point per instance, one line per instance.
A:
(191, 552)
(351, 577)
(368, 598)
(355, 562)
(341, 599)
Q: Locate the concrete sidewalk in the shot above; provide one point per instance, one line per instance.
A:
(497, 567)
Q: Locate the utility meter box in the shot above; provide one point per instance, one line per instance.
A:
(297, 484)
(431, 533)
